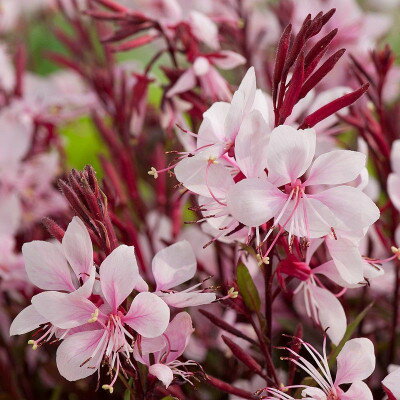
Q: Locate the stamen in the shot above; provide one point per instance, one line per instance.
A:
(109, 388)
(94, 316)
(33, 343)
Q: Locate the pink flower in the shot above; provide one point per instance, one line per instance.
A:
(105, 328)
(173, 266)
(53, 267)
(213, 84)
(285, 194)
(355, 362)
(391, 384)
(393, 183)
(160, 354)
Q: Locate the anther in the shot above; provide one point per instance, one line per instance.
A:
(94, 316)
(109, 388)
(153, 172)
(232, 293)
(33, 343)
(396, 251)
(262, 260)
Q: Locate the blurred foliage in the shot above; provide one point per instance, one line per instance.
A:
(83, 144)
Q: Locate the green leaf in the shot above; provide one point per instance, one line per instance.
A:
(349, 332)
(169, 398)
(247, 288)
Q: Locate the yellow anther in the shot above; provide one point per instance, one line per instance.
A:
(33, 343)
(108, 387)
(94, 316)
(212, 160)
(396, 251)
(153, 172)
(232, 293)
(262, 260)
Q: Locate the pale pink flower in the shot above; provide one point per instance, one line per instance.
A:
(66, 267)
(102, 328)
(160, 354)
(214, 86)
(173, 266)
(355, 362)
(393, 183)
(205, 171)
(391, 384)
(347, 269)
(285, 194)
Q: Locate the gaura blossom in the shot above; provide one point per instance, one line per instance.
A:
(391, 384)
(56, 268)
(291, 198)
(173, 266)
(393, 183)
(355, 362)
(203, 69)
(106, 331)
(347, 269)
(160, 354)
(204, 171)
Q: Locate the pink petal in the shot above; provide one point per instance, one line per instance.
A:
(310, 219)
(78, 248)
(353, 208)
(356, 361)
(174, 265)
(330, 313)
(242, 102)
(201, 66)
(163, 373)
(290, 153)
(27, 320)
(75, 355)
(393, 186)
(330, 270)
(395, 156)
(336, 167)
(64, 310)
(204, 29)
(391, 383)
(263, 104)
(16, 136)
(254, 201)
(46, 266)
(148, 315)
(187, 299)
(347, 259)
(248, 88)
(178, 334)
(211, 130)
(357, 391)
(87, 288)
(186, 81)
(118, 275)
(10, 214)
(229, 59)
(251, 145)
(202, 177)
